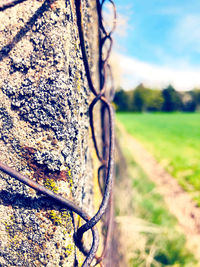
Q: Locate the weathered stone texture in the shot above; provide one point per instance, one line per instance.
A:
(44, 128)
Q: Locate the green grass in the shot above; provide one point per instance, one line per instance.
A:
(149, 205)
(174, 140)
(146, 203)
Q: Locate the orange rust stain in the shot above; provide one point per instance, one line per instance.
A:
(41, 172)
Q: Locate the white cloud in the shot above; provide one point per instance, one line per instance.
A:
(134, 71)
(124, 15)
(122, 21)
(129, 71)
(169, 11)
(186, 34)
(122, 25)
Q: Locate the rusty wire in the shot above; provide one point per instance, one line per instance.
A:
(4, 4)
(107, 159)
(61, 200)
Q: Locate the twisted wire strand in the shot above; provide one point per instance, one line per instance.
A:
(4, 4)
(106, 163)
(59, 199)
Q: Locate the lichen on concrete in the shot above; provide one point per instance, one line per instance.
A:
(44, 129)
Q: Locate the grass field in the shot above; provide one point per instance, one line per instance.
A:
(174, 140)
(150, 234)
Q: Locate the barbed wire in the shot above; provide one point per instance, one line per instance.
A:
(107, 158)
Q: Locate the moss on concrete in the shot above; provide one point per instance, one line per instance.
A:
(44, 101)
(51, 185)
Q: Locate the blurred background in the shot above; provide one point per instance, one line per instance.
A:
(156, 64)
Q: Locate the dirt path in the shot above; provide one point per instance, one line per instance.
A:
(178, 201)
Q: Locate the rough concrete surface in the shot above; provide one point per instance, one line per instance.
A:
(44, 128)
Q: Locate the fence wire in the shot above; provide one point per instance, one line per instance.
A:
(106, 156)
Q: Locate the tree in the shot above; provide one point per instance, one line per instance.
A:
(196, 98)
(122, 100)
(188, 101)
(172, 100)
(155, 100)
(44, 129)
(140, 98)
(145, 99)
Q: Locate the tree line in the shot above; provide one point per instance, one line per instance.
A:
(143, 99)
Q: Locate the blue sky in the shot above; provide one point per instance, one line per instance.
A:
(160, 36)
